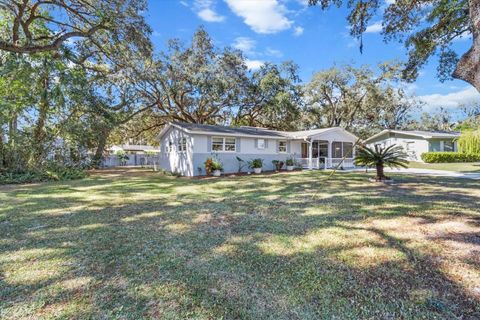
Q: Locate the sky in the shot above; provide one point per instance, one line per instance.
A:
(280, 30)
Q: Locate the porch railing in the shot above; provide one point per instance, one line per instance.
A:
(324, 163)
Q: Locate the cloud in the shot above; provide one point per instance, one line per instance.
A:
(266, 16)
(298, 31)
(245, 44)
(254, 64)
(205, 11)
(274, 53)
(450, 101)
(374, 28)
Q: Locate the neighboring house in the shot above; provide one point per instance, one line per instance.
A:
(184, 147)
(137, 155)
(416, 142)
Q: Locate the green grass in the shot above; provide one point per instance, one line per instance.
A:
(286, 246)
(457, 167)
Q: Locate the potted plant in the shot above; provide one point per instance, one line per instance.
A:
(278, 164)
(290, 162)
(392, 156)
(213, 166)
(256, 165)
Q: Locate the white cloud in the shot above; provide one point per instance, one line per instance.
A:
(450, 101)
(254, 64)
(184, 3)
(245, 44)
(466, 35)
(273, 52)
(210, 16)
(374, 28)
(266, 16)
(205, 11)
(298, 31)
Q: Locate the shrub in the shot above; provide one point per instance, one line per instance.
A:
(278, 164)
(290, 162)
(445, 157)
(55, 173)
(212, 164)
(255, 163)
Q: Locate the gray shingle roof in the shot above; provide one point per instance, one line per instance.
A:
(193, 127)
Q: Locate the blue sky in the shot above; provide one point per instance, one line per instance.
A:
(279, 30)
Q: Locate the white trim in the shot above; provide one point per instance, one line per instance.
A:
(410, 133)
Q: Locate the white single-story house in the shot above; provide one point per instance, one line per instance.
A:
(184, 147)
(416, 142)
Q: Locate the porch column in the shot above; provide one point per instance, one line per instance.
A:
(328, 162)
(310, 154)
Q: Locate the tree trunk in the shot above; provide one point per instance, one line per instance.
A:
(39, 130)
(102, 143)
(380, 173)
(2, 149)
(468, 67)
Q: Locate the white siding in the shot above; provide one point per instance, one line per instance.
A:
(176, 161)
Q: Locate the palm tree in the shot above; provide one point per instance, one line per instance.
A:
(392, 156)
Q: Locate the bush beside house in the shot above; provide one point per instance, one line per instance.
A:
(449, 157)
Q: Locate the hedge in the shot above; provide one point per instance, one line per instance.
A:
(446, 157)
(33, 176)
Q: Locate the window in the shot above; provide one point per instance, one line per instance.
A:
(337, 149)
(261, 143)
(224, 144)
(348, 149)
(169, 147)
(434, 146)
(282, 146)
(448, 146)
(182, 144)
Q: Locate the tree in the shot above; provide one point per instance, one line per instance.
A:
(348, 97)
(198, 84)
(272, 98)
(392, 156)
(33, 26)
(429, 27)
(469, 142)
(433, 121)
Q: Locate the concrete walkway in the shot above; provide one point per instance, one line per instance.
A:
(435, 173)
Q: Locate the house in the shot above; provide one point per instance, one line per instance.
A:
(136, 155)
(416, 142)
(184, 147)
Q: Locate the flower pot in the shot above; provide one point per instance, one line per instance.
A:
(217, 173)
(290, 168)
(257, 170)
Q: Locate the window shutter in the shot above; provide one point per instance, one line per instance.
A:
(256, 143)
(276, 145)
(237, 146)
(288, 146)
(209, 144)
(266, 144)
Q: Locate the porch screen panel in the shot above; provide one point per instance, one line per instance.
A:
(337, 149)
(323, 148)
(347, 149)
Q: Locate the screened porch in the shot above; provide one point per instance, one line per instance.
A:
(324, 154)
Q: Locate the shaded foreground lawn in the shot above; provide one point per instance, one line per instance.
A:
(457, 167)
(285, 246)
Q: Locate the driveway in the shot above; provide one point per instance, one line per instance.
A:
(435, 173)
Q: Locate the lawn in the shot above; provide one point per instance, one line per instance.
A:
(287, 246)
(457, 167)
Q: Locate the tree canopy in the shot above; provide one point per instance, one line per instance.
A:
(427, 27)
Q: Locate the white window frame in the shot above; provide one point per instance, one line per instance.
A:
(169, 146)
(280, 147)
(262, 145)
(224, 144)
(182, 144)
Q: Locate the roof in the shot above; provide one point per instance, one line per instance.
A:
(206, 128)
(133, 147)
(247, 131)
(419, 133)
